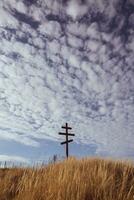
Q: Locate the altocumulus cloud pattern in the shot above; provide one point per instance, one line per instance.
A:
(68, 61)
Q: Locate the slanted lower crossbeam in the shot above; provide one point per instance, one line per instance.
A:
(66, 127)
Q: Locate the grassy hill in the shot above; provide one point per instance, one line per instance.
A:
(85, 179)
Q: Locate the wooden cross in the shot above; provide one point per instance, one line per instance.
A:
(66, 127)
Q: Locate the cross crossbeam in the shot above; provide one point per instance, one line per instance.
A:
(71, 134)
(66, 127)
(66, 141)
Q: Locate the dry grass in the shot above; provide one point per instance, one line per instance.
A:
(86, 179)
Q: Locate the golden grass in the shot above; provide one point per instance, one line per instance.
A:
(85, 179)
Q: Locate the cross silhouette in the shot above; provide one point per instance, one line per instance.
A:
(66, 127)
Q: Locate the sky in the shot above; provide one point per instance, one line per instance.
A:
(66, 61)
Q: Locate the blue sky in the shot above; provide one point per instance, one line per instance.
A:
(66, 61)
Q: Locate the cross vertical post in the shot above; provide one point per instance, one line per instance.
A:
(66, 140)
(66, 127)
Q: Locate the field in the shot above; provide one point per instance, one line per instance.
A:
(72, 179)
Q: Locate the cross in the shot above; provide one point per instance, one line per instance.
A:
(66, 127)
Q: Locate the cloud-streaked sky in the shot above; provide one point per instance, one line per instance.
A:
(66, 61)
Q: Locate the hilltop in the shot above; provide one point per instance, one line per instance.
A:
(72, 179)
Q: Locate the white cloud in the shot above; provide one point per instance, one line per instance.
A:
(53, 47)
(92, 31)
(6, 19)
(74, 9)
(45, 82)
(50, 28)
(20, 7)
(77, 29)
(73, 60)
(6, 158)
(75, 42)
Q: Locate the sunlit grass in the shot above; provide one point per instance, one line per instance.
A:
(72, 179)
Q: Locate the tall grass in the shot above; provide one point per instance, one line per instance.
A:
(85, 179)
